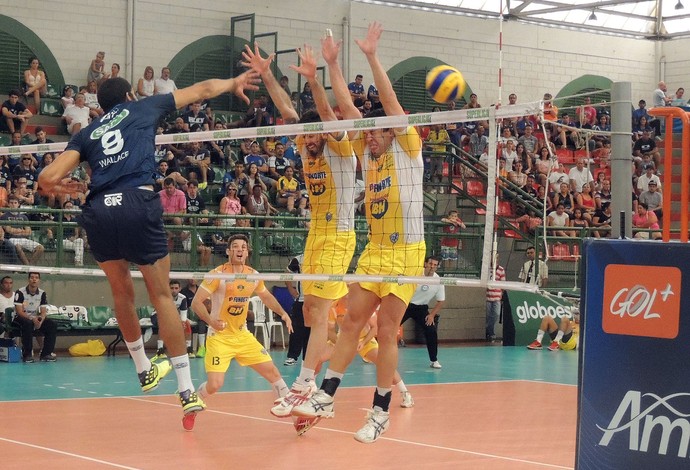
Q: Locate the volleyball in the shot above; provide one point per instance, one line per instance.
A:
(445, 83)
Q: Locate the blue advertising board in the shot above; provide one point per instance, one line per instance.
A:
(634, 380)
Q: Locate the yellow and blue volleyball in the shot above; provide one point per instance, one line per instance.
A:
(445, 83)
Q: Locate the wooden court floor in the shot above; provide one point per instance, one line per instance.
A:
(488, 408)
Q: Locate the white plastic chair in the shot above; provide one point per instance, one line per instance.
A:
(272, 323)
(259, 310)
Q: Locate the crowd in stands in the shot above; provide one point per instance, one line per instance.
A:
(263, 177)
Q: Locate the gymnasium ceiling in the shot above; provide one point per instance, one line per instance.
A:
(650, 19)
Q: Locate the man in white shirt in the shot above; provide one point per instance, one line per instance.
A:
(557, 177)
(647, 177)
(76, 115)
(165, 84)
(579, 176)
(659, 97)
(528, 273)
(6, 294)
(418, 309)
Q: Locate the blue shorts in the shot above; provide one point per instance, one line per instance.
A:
(125, 224)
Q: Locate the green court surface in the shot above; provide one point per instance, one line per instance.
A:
(106, 376)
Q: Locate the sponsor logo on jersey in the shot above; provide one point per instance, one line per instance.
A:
(111, 200)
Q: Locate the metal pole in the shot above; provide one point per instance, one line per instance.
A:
(621, 161)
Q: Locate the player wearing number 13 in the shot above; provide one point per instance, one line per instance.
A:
(123, 215)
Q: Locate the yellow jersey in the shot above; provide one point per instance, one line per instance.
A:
(330, 181)
(230, 299)
(394, 194)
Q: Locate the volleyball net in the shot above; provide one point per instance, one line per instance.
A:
(384, 197)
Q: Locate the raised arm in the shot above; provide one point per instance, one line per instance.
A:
(214, 87)
(262, 66)
(387, 95)
(330, 50)
(307, 69)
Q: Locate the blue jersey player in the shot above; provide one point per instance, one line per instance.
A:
(123, 215)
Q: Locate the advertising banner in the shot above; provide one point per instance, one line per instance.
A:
(523, 313)
(634, 384)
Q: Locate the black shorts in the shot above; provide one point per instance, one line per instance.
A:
(126, 224)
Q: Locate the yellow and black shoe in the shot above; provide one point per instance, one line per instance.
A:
(191, 402)
(150, 379)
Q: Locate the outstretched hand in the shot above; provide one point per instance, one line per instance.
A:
(248, 81)
(66, 186)
(369, 44)
(253, 59)
(330, 49)
(307, 67)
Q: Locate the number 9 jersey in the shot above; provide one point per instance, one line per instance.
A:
(120, 145)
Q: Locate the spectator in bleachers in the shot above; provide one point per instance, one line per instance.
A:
(72, 236)
(197, 163)
(653, 198)
(15, 113)
(508, 155)
(585, 201)
(220, 149)
(27, 171)
(557, 177)
(566, 137)
(639, 128)
(41, 139)
(277, 163)
(288, 193)
(147, 84)
(357, 91)
(237, 176)
(366, 108)
(257, 115)
(645, 178)
(258, 204)
(543, 164)
(306, 99)
(560, 219)
(530, 141)
(114, 72)
(678, 99)
(19, 236)
(268, 147)
(659, 98)
(507, 135)
(645, 219)
(5, 178)
(259, 159)
(524, 157)
(92, 99)
(579, 175)
(602, 220)
(587, 114)
(174, 204)
(451, 245)
(47, 199)
(35, 83)
(436, 141)
(564, 197)
(164, 172)
(604, 124)
(15, 140)
(97, 68)
(530, 221)
(579, 222)
(604, 194)
(230, 206)
(76, 116)
(479, 143)
(646, 144)
(195, 120)
(164, 84)
(473, 103)
(67, 97)
(373, 96)
(546, 201)
(196, 205)
(517, 176)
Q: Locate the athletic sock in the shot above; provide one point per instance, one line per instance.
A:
(184, 377)
(138, 353)
(188, 342)
(559, 336)
(159, 344)
(401, 386)
(540, 335)
(201, 341)
(305, 376)
(202, 392)
(280, 388)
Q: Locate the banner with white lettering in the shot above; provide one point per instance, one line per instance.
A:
(524, 312)
(634, 384)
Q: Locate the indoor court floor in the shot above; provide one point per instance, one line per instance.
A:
(488, 408)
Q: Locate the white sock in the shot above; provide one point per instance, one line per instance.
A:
(401, 386)
(280, 388)
(332, 374)
(203, 393)
(201, 341)
(559, 336)
(184, 376)
(188, 343)
(159, 344)
(540, 335)
(305, 376)
(138, 353)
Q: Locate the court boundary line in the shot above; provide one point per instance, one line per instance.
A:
(68, 454)
(340, 431)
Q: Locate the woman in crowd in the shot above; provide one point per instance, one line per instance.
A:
(147, 84)
(35, 82)
(230, 205)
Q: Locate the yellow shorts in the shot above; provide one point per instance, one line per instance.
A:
(221, 349)
(367, 348)
(570, 344)
(404, 260)
(327, 254)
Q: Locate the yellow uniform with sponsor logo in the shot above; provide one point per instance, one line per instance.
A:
(330, 181)
(336, 312)
(394, 199)
(572, 340)
(230, 303)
